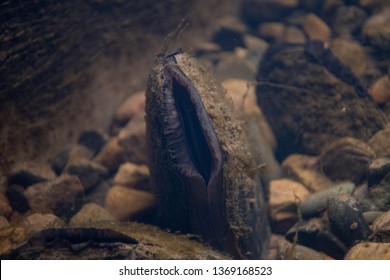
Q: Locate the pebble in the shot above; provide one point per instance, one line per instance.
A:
(98, 194)
(376, 30)
(90, 173)
(346, 159)
(52, 196)
(11, 237)
(369, 251)
(285, 250)
(125, 204)
(346, 219)
(26, 173)
(318, 202)
(380, 142)
(112, 155)
(229, 33)
(255, 11)
(378, 170)
(293, 35)
(89, 213)
(381, 228)
(37, 222)
(131, 175)
(302, 168)
(314, 234)
(284, 194)
(348, 20)
(350, 53)
(93, 140)
(5, 207)
(272, 31)
(380, 90)
(134, 105)
(379, 193)
(132, 139)
(316, 29)
(59, 160)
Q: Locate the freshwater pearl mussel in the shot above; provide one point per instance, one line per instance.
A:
(201, 167)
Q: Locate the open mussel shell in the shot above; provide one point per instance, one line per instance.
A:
(201, 168)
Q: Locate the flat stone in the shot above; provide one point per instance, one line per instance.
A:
(90, 212)
(124, 203)
(380, 90)
(52, 195)
(93, 140)
(133, 176)
(316, 29)
(132, 106)
(90, 173)
(5, 207)
(318, 202)
(37, 222)
(303, 168)
(26, 173)
(350, 53)
(369, 251)
(380, 142)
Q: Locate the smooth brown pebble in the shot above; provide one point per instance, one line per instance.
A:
(112, 155)
(90, 212)
(3, 222)
(132, 139)
(286, 192)
(133, 176)
(380, 90)
(293, 35)
(124, 203)
(369, 251)
(302, 168)
(316, 29)
(350, 53)
(272, 31)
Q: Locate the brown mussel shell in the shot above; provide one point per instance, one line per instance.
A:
(201, 167)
